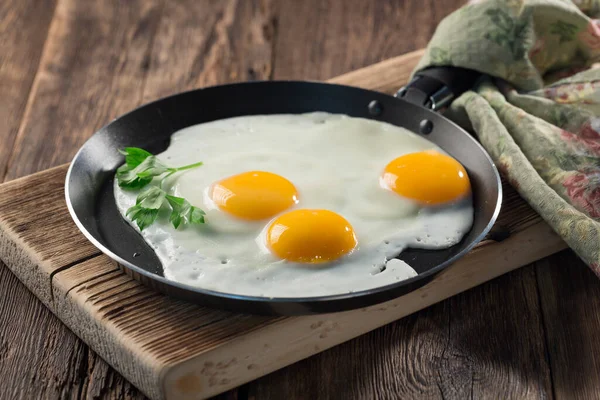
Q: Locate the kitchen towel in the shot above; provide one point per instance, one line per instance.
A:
(538, 112)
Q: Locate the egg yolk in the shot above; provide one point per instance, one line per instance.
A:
(254, 195)
(310, 236)
(428, 177)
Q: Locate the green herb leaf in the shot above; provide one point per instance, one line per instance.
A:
(128, 179)
(151, 166)
(147, 205)
(141, 175)
(196, 165)
(153, 197)
(139, 170)
(184, 212)
(134, 156)
(143, 217)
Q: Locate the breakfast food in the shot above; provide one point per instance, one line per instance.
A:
(310, 236)
(427, 177)
(253, 195)
(295, 205)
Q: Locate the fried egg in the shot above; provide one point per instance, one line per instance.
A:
(303, 205)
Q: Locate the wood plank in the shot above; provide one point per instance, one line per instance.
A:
(146, 320)
(387, 73)
(322, 39)
(34, 356)
(61, 248)
(32, 349)
(570, 297)
(203, 43)
(24, 26)
(92, 70)
(492, 352)
(451, 350)
(48, 361)
(71, 97)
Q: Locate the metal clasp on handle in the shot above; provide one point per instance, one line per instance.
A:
(419, 92)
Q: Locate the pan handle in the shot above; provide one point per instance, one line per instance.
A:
(436, 87)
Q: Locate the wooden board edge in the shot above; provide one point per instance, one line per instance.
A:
(396, 69)
(123, 353)
(37, 276)
(24, 179)
(24, 263)
(280, 344)
(79, 317)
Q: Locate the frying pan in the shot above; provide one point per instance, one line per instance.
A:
(89, 182)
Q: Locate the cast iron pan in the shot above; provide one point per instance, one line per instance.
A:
(89, 183)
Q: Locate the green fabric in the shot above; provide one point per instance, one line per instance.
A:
(538, 115)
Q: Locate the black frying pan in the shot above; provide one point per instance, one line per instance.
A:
(89, 183)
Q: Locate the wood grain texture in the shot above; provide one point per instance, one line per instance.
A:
(23, 28)
(92, 70)
(322, 39)
(570, 298)
(58, 249)
(68, 101)
(442, 352)
(39, 356)
(203, 43)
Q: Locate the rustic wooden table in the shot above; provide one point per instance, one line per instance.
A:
(67, 67)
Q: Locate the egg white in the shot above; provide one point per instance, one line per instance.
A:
(335, 162)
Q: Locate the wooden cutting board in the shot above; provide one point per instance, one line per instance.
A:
(175, 350)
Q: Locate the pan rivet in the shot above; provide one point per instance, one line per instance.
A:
(426, 126)
(136, 254)
(375, 108)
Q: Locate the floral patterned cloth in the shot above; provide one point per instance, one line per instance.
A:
(538, 115)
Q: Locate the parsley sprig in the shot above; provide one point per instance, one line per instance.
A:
(141, 167)
(138, 172)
